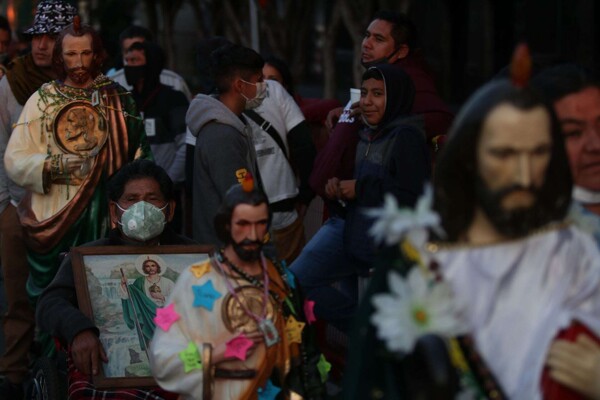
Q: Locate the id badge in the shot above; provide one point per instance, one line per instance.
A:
(150, 125)
(269, 332)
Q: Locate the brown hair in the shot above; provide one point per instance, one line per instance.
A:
(159, 268)
(97, 47)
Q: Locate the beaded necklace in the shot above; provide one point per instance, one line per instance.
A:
(67, 94)
(255, 282)
(265, 324)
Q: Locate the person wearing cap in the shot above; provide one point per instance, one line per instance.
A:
(74, 133)
(23, 77)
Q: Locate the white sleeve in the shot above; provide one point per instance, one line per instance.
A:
(167, 367)
(290, 112)
(27, 148)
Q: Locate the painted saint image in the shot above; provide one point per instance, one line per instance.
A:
(148, 292)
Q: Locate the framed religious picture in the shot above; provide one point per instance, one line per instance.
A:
(120, 288)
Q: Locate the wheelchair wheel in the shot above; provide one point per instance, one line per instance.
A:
(47, 382)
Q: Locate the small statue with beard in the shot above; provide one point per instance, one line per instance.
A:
(256, 317)
(519, 276)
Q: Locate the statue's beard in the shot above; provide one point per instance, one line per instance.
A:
(516, 222)
(246, 254)
(79, 75)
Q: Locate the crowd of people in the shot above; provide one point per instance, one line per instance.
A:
(483, 266)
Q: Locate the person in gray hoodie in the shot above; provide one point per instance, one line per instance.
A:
(224, 152)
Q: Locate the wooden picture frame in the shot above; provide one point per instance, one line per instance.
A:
(108, 303)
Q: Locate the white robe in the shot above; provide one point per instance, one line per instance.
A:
(519, 294)
(198, 325)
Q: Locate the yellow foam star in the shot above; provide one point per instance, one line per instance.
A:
(200, 269)
(293, 329)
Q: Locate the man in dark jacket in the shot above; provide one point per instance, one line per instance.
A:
(139, 185)
(163, 109)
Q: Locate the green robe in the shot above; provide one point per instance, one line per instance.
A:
(146, 311)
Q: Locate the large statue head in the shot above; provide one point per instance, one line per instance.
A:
(504, 164)
(243, 221)
(78, 54)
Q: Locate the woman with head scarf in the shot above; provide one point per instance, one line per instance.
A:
(391, 158)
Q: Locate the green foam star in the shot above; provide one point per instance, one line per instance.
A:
(323, 366)
(190, 358)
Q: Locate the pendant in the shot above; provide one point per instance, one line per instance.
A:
(95, 98)
(269, 332)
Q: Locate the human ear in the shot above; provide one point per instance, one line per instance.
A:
(401, 53)
(171, 210)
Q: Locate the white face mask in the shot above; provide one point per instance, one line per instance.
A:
(261, 93)
(142, 221)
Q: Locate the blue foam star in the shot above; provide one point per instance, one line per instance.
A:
(269, 392)
(205, 295)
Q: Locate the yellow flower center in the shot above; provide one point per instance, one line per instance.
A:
(410, 252)
(420, 316)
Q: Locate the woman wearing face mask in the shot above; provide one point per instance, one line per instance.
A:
(391, 158)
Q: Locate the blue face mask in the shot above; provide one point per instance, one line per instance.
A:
(142, 221)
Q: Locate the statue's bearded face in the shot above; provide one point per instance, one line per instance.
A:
(513, 154)
(249, 226)
(78, 57)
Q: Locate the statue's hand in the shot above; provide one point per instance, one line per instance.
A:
(576, 365)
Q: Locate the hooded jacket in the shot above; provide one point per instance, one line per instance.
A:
(224, 153)
(390, 158)
(163, 109)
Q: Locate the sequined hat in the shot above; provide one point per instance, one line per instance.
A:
(51, 17)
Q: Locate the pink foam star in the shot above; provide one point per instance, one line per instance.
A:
(165, 317)
(309, 311)
(238, 347)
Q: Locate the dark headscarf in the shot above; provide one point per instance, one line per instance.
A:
(155, 62)
(399, 91)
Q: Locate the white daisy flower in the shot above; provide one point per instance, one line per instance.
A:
(393, 223)
(412, 308)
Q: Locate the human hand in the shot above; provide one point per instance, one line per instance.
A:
(355, 109)
(347, 189)
(332, 188)
(332, 117)
(87, 352)
(576, 365)
(76, 165)
(301, 209)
